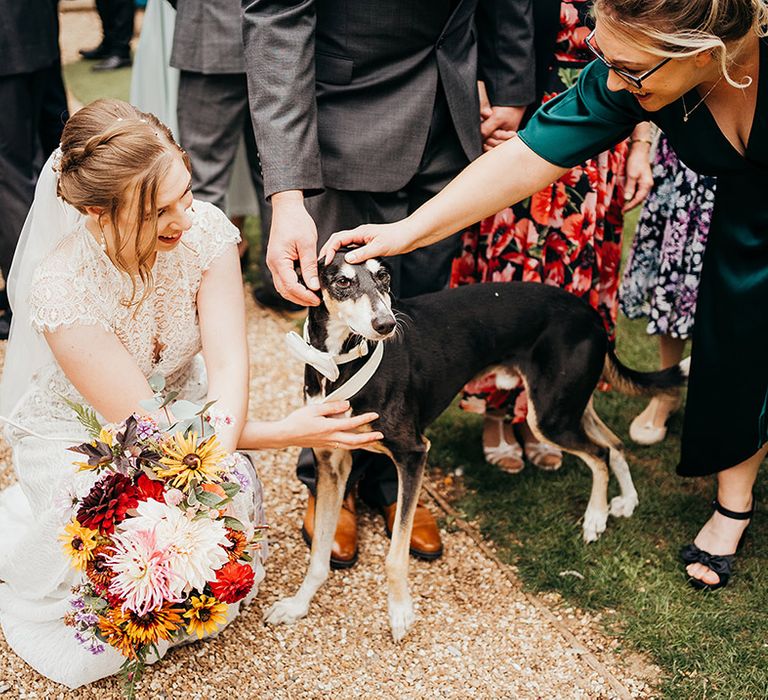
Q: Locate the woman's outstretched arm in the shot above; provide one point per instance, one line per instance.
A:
(502, 177)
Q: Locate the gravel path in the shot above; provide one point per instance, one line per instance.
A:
(478, 634)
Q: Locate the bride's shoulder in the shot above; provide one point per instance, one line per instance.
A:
(73, 256)
(211, 232)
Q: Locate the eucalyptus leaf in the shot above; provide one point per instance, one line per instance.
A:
(209, 499)
(230, 488)
(152, 404)
(168, 398)
(206, 407)
(156, 382)
(184, 410)
(233, 523)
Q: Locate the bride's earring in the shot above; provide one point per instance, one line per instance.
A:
(103, 243)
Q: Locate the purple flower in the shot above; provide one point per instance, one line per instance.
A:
(81, 638)
(96, 648)
(86, 618)
(77, 603)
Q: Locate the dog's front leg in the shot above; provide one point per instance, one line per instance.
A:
(333, 468)
(410, 470)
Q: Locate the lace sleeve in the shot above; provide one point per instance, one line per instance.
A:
(214, 232)
(65, 298)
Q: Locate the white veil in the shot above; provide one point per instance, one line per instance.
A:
(49, 220)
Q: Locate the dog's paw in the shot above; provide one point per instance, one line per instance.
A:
(623, 506)
(286, 611)
(401, 618)
(594, 524)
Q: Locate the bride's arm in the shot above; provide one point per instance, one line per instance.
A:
(100, 368)
(221, 310)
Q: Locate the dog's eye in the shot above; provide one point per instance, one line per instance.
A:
(343, 282)
(383, 276)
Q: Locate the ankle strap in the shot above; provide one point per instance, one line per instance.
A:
(746, 515)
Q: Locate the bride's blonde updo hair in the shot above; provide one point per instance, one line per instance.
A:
(683, 28)
(111, 151)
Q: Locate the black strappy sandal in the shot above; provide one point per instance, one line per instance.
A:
(722, 565)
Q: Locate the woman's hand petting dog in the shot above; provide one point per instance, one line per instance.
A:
(324, 425)
(375, 241)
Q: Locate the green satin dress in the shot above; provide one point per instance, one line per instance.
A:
(725, 416)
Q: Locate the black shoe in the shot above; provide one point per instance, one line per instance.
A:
(5, 327)
(100, 51)
(112, 63)
(722, 565)
(272, 300)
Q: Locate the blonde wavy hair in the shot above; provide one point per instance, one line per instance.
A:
(110, 153)
(683, 28)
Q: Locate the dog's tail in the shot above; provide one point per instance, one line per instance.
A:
(633, 383)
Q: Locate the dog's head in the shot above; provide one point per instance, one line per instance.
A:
(358, 295)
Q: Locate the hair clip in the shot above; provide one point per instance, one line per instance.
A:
(56, 160)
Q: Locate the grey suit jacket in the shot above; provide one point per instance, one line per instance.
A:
(342, 91)
(207, 36)
(29, 36)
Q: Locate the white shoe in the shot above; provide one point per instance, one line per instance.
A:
(643, 431)
(546, 457)
(504, 451)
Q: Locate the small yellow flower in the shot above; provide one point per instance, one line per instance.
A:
(188, 463)
(206, 616)
(153, 626)
(106, 436)
(79, 543)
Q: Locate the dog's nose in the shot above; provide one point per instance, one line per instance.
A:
(384, 325)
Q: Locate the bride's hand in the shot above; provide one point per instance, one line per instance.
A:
(323, 425)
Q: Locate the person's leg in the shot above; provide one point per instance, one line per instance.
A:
(210, 114)
(720, 535)
(54, 110)
(121, 27)
(650, 425)
(21, 97)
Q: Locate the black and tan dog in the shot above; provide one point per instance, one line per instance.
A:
(436, 343)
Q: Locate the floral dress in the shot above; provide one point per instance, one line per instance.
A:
(568, 235)
(661, 281)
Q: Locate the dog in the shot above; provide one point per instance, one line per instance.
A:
(435, 344)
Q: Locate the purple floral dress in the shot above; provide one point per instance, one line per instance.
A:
(661, 280)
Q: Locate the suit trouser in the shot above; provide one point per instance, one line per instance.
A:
(419, 272)
(117, 25)
(213, 113)
(21, 97)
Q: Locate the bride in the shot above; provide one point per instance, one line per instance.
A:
(119, 275)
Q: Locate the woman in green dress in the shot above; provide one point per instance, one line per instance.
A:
(698, 69)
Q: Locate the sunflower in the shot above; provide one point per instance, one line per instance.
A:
(239, 543)
(151, 627)
(79, 543)
(205, 615)
(188, 463)
(116, 635)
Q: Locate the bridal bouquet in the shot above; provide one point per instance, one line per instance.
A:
(161, 558)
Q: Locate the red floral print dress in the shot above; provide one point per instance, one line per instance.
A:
(568, 235)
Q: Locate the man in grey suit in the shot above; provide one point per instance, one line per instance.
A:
(364, 109)
(212, 107)
(29, 51)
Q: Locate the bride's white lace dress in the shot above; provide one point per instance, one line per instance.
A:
(78, 285)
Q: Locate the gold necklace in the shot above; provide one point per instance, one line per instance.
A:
(686, 113)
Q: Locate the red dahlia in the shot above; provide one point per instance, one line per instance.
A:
(233, 582)
(149, 488)
(107, 503)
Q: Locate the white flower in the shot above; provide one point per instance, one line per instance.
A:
(144, 578)
(195, 548)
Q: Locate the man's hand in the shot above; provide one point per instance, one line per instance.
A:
(500, 124)
(293, 237)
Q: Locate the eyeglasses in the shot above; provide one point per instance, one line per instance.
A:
(634, 80)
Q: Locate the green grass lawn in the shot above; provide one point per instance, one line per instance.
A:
(708, 645)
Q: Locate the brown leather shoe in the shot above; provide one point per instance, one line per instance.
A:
(425, 537)
(344, 551)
